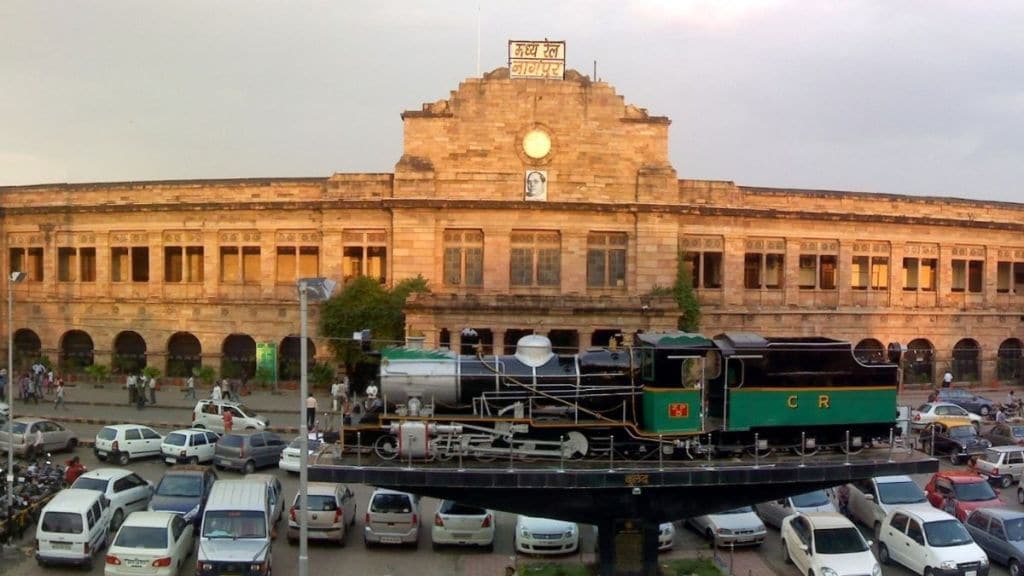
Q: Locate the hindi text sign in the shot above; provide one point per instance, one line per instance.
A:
(536, 59)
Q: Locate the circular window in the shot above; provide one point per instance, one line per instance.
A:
(536, 144)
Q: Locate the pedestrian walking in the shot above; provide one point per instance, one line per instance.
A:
(140, 393)
(190, 387)
(130, 385)
(152, 390)
(60, 397)
(216, 393)
(38, 446)
(335, 395)
(311, 407)
(947, 379)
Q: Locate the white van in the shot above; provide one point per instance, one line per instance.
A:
(236, 530)
(73, 527)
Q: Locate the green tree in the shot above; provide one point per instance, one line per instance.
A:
(364, 304)
(686, 297)
(151, 372)
(321, 374)
(206, 374)
(99, 372)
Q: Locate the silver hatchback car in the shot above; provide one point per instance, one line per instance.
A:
(392, 518)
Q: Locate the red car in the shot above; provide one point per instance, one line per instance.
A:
(959, 491)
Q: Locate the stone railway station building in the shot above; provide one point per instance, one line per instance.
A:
(546, 206)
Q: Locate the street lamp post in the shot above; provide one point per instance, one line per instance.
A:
(13, 279)
(319, 289)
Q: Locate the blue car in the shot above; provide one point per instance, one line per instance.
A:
(184, 490)
(1000, 533)
(967, 400)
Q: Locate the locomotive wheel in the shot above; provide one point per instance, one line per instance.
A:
(485, 457)
(386, 447)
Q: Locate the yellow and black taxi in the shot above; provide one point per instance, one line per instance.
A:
(955, 438)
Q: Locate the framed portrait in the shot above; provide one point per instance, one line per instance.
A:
(535, 185)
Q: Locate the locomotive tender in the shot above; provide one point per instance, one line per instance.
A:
(682, 393)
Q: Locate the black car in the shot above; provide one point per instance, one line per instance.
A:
(958, 440)
(967, 400)
(184, 490)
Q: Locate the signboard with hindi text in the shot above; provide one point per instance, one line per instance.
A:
(536, 59)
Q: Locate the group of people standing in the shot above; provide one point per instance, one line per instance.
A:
(34, 384)
(138, 385)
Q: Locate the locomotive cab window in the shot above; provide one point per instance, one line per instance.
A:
(647, 364)
(734, 373)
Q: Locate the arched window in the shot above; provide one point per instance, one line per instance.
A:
(239, 357)
(27, 349)
(290, 358)
(184, 352)
(76, 350)
(919, 362)
(129, 352)
(965, 361)
(1009, 360)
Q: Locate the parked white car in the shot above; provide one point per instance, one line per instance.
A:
(738, 527)
(826, 543)
(929, 412)
(870, 500)
(457, 524)
(927, 541)
(124, 442)
(773, 512)
(209, 414)
(545, 536)
(127, 491)
(666, 536)
(290, 455)
(150, 544)
(190, 446)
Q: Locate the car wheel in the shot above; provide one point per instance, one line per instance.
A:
(1014, 567)
(435, 546)
(785, 553)
(193, 460)
(984, 411)
(71, 445)
(249, 467)
(122, 459)
(954, 458)
(928, 572)
(116, 521)
(883, 554)
(1006, 481)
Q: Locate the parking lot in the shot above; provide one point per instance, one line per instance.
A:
(389, 561)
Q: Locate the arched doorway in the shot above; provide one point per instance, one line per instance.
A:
(1008, 360)
(129, 353)
(919, 363)
(27, 349)
(965, 361)
(184, 352)
(870, 351)
(76, 351)
(289, 361)
(239, 357)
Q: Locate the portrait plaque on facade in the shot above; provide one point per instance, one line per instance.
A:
(536, 185)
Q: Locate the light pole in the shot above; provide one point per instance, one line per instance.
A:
(13, 279)
(319, 289)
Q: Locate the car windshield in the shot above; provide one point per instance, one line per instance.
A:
(811, 499)
(175, 439)
(974, 492)
(233, 440)
(740, 510)
(1014, 529)
(234, 524)
(319, 503)
(180, 486)
(900, 493)
(839, 541)
(141, 537)
(456, 509)
(107, 434)
(297, 444)
(966, 431)
(942, 533)
(97, 484)
(62, 523)
(391, 503)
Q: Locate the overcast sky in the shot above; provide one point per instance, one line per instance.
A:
(913, 97)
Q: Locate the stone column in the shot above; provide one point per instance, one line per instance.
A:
(498, 336)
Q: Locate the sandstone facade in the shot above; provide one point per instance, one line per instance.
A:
(202, 269)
